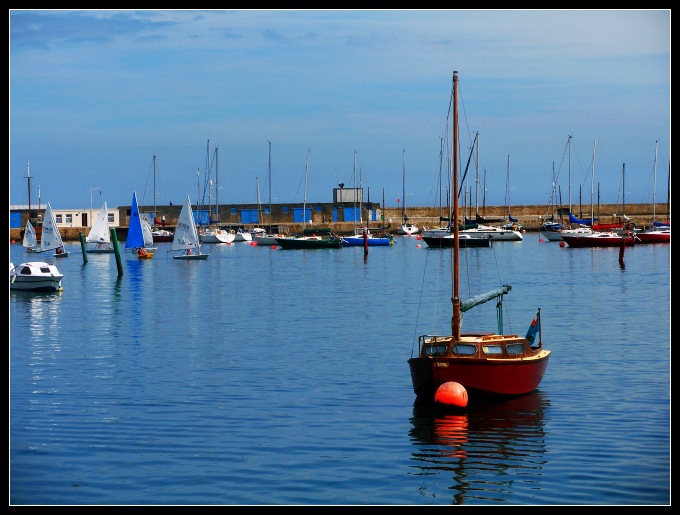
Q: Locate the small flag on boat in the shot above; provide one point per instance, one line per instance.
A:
(534, 328)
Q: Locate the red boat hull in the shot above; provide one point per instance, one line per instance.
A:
(588, 241)
(480, 377)
(654, 237)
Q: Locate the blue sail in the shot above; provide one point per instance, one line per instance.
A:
(574, 220)
(135, 236)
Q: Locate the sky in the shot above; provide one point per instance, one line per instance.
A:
(281, 106)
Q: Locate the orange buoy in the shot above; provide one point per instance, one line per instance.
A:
(561, 244)
(418, 246)
(253, 243)
(452, 394)
(273, 247)
(540, 240)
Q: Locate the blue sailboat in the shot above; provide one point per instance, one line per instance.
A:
(135, 237)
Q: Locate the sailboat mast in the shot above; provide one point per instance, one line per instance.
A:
(403, 186)
(656, 151)
(354, 178)
(361, 198)
(507, 191)
(217, 188)
(154, 190)
(623, 182)
(28, 177)
(208, 180)
(476, 177)
(270, 185)
(569, 160)
(441, 158)
(455, 320)
(304, 204)
(552, 195)
(592, 187)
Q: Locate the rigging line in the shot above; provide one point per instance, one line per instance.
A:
(564, 154)
(501, 283)
(149, 176)
(467, 125)
(424, 296)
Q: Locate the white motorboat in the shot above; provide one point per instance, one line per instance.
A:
(35, 276)
(495, 233)
(242, 235)
(261, 237)
(408, 229)
(215, 235)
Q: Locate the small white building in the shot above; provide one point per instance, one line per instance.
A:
(71, 217)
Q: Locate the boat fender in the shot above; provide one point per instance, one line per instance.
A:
(452, 394)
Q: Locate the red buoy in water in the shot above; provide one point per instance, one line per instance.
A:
(452, 394)
(561, 244)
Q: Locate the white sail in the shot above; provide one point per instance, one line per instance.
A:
(186, 235)
(146, 231)
(100, 232)
(51, 239)
(30, 239)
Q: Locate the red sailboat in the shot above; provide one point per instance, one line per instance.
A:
(602, 235)
(485, 364)
(598, 239)
(661, 234)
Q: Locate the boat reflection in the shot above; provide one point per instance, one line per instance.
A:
(483, 454)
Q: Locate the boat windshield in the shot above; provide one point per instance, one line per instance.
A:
(436, 350)
(515, 349)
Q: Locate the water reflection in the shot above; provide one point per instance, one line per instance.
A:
(38, 311)
(479, 455)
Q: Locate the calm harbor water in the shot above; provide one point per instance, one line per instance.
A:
(266, 376)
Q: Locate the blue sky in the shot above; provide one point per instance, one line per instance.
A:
(94, 95)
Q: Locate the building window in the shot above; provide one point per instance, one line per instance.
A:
(284, 209)
(233, 211)
(111, 220)
(58, 218)
(69, 218)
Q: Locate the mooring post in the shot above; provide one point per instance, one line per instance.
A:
(116, 249)
(83, 246)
